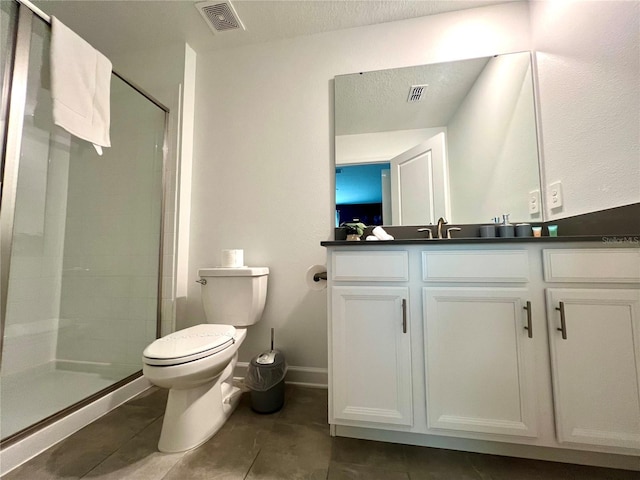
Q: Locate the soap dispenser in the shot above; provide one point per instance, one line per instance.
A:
(506, 229)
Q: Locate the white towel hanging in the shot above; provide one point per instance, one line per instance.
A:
(80, 86)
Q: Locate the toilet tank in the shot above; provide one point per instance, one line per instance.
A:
(234, 296)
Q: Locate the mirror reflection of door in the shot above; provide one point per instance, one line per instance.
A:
(420, 183)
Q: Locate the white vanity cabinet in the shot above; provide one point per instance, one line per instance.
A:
(479, 360)
(594, 336)
(478, 342)
(370, 338)
(457, 346)
(371, 355)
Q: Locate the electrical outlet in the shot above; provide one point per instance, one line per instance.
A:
(554, 195)
(534, 202)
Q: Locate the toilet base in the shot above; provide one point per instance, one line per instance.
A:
(194, 415)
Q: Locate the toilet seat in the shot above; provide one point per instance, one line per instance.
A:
(190, 344)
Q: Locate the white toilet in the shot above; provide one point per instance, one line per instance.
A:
(197, 363)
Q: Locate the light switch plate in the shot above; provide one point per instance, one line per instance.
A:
(534, 202)
(554, 195)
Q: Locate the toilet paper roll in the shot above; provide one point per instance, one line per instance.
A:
(311, 283)
(233, 258)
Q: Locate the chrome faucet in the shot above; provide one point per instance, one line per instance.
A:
(428, 230)
(452, 229)
(441, 221)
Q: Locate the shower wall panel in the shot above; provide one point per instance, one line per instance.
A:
(31, 322)
(111, 246)
(82, 300)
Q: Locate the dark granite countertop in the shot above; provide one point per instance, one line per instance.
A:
(631, 240)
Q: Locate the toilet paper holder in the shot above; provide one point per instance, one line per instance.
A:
(316, 277)
(320, 276)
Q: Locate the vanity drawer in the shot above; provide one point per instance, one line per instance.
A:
(370, 266)
(476, 266)
(595, 265)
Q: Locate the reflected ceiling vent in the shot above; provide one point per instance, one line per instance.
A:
(416, 93)
(220, 16)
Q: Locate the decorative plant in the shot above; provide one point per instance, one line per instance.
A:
(354, 228)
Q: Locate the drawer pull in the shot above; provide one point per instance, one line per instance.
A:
(529, 327)
(563, 321)
(404, 315)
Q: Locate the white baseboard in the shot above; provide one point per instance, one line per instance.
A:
(303, 376)
(23, 450)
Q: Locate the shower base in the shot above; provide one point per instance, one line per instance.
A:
(32, 395)
(22, 449)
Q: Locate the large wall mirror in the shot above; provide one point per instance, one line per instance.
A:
(456, 140)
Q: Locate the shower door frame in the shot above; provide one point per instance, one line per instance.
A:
(27, 12)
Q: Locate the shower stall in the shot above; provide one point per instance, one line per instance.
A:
(81, 239)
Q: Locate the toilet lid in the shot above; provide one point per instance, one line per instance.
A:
(189, 344)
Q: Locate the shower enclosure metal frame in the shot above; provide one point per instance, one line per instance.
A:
(9, 176)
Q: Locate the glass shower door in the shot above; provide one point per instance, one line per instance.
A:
(82, 298)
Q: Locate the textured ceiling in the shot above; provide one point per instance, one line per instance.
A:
(377, 101)
(116, 26)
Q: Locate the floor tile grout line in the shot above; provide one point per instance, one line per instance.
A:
(120, 446)
(252, 464)
(174, 466)
(477, 470)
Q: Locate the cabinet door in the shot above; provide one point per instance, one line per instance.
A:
(479, 360)
(596, 368)
(371, 355)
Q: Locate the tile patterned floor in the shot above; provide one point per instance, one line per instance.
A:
(289, 445)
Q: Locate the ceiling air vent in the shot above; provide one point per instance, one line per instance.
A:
(416, 93)
(220, 16)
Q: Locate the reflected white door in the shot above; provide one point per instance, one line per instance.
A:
(420, 183)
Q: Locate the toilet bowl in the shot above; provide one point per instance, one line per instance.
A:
(196, 364)
(199, 379)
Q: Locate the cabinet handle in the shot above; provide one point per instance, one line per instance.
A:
(563, 321)
(404, 315)
(529, 327)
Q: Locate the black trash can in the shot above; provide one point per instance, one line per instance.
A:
(265, 379)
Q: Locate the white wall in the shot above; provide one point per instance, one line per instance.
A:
(263, 155)
(588, 59)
